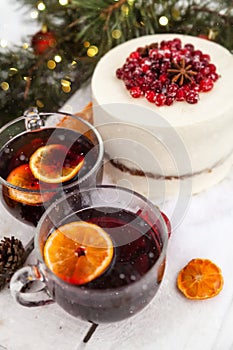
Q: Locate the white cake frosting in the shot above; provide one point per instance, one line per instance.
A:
(161, 149)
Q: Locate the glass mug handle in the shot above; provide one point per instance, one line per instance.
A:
(19, 281)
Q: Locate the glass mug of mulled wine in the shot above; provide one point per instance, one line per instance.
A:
(100, 255)
(43, 155)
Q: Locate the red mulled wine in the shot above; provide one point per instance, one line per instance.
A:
(125, 287)
(15, 156)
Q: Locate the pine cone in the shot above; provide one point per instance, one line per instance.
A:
(12, 257)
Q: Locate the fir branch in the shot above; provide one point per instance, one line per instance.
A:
(109, 10)
(35, 67)
(212, 13)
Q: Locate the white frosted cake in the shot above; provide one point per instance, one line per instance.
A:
(163, 105)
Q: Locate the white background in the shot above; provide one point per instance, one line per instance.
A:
(15, 22)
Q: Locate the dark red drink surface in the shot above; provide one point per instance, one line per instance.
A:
(137, 248)
(18, 151)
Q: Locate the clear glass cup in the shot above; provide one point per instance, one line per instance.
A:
(21, 137)
(139, 234)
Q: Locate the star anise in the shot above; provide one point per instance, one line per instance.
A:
(181, 72)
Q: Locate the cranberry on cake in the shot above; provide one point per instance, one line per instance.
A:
(163, 106)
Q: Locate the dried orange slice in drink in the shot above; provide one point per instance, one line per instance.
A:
(23, 177)
(200, 279)
(55, 164)
(78, 252)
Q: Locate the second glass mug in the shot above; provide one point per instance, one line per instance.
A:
(141, 271)
(23, 136)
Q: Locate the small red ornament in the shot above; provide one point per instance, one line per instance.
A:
(43, 41)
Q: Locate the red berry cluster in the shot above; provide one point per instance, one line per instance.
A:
(154, 72)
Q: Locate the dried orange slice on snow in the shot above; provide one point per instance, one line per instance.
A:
(23, 177)
(78, 252)
(200, 279)
(55, 164)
